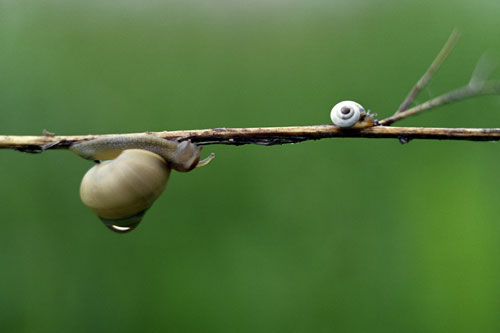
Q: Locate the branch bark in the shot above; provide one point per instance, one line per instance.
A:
(266, 136)
(269, 136)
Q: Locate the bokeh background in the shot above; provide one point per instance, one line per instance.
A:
(344, 235)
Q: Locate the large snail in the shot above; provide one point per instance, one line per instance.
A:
(122, 189)
(348, 113)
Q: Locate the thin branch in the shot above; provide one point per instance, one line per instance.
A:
(269, 136)
(424, 80)
(470, 90)
(484, 67)
(266, 136)
(477, 86)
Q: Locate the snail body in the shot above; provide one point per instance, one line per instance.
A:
(181, 156)
(119, 191)
(348, 113)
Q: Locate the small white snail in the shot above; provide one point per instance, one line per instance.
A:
(347, 113)
(121, 190)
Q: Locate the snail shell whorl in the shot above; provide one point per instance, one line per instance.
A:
(346, 113)
(119, 191)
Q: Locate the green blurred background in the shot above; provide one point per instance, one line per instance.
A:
(344, 235)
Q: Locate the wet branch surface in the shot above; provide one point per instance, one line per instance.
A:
(266, 136)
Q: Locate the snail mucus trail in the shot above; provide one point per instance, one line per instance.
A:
(135, 172)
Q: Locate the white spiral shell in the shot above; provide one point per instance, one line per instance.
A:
(346, 113)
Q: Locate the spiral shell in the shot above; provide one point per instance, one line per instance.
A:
(346, 113)
(120, 191)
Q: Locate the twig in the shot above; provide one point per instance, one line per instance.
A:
(269, 136)
(266, 136)
(424, 80)
(477, 86)
(470, 90)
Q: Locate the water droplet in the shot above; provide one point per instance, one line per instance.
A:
(121, 230)
(124, 225)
